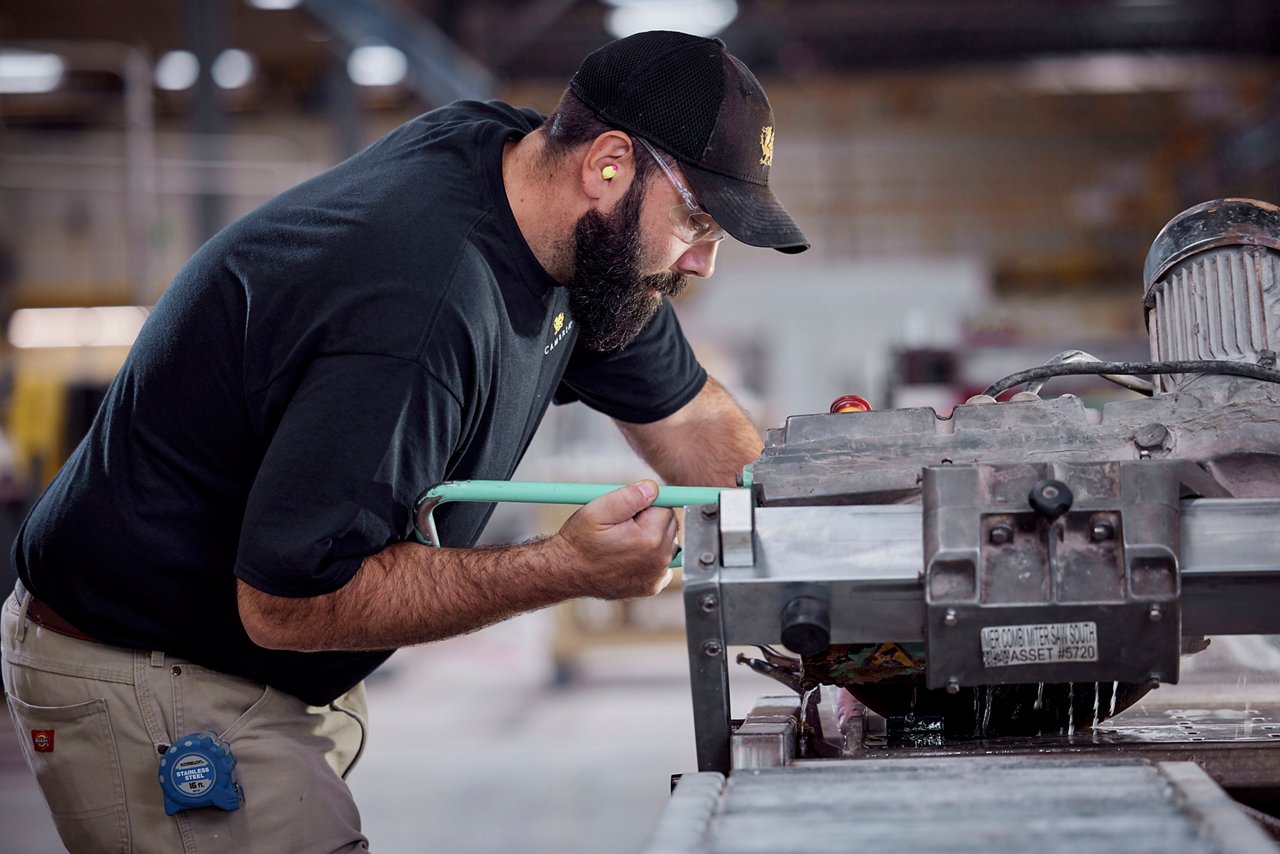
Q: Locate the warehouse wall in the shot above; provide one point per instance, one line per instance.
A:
(933, 200)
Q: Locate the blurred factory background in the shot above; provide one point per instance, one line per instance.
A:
(981, 180)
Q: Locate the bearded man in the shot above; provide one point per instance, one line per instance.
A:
(229, 551)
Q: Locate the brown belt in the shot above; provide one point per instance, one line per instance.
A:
(42, 615)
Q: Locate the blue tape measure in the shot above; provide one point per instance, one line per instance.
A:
(196, 771)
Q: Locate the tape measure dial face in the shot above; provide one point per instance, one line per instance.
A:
(193, 774)
(196, 772)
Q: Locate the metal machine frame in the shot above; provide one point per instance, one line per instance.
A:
(746, 563)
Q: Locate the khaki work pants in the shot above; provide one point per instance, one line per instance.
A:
(92, 718)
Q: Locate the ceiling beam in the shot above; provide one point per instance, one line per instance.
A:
(439, 71)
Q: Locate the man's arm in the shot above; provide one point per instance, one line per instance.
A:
(616, 547)
(704, 443)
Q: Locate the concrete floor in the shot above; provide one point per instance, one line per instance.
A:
(473, 750)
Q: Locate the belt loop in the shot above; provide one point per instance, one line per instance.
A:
(157, 658)
(23, 596)
(152, 714)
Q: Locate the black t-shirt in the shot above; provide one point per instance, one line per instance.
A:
(314, 368)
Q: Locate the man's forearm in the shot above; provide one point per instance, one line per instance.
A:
(706, 443)
(409, 594)
(710, 455)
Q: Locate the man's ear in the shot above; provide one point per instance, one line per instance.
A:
(607, 168)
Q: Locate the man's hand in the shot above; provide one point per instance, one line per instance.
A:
(619, 544)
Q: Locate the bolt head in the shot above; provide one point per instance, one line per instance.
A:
(953, 685)
(706, 558)
(1102, 531)
(708, 602)
(1155, 614)
(709, 511)
(1001, 534)
(1151, 436)
(949, 619)
(712, 648)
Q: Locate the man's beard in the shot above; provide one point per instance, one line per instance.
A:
(611, 301)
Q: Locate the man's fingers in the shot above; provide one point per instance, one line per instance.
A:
(623, 504)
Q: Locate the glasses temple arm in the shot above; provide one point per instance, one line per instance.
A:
(671, 175)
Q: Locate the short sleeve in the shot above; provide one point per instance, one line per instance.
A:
(648, 379)
(359, 439)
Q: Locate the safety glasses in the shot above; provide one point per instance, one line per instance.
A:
(693, 224)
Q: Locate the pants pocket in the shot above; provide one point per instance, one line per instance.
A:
(349, 748)
(72, 752)
(209, 701)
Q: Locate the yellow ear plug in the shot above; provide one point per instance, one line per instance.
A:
(608, 172)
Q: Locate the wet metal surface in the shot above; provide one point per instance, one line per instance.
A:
(1238, 747)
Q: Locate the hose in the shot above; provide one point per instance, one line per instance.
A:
(1186, 366)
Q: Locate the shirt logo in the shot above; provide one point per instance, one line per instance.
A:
(560, 329)
(42, 740)
(766, 146)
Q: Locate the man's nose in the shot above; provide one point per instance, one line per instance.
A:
(699, 260)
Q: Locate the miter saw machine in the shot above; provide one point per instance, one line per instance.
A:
(1020, 567)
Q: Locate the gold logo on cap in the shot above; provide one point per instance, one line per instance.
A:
(766, 146)
(558, 323)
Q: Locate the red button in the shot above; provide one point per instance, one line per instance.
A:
(850, 403)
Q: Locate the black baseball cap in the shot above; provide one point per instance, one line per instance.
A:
(693, 99)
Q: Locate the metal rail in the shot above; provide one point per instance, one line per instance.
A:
(532, 492)
(970, 804)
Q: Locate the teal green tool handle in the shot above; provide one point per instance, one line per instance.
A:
(525, 492)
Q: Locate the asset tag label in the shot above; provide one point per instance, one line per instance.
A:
(1039, 643)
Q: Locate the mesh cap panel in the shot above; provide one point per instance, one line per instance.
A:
(666, 87)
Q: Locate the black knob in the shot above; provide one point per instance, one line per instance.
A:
(806, 625)
(1051, 498)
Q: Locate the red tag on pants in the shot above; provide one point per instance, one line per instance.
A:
(42, 740)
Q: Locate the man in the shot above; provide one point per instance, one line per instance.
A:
(229, 551)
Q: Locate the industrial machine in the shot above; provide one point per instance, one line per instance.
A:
(969, 604)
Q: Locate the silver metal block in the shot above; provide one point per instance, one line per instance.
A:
(768, 738)
(1089, 592)
(737, 528)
